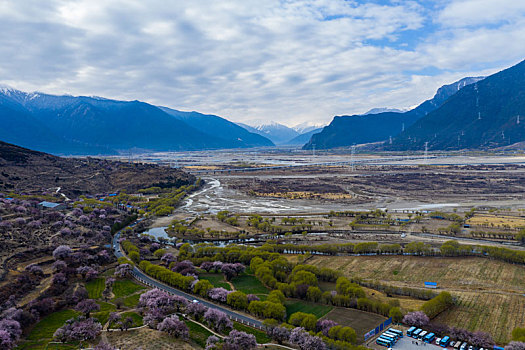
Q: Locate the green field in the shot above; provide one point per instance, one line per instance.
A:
(216, 279)
(123, 288)
(96, 287)
(260, 336)
(319, 310)
(131, 301)
(197, 333)
(137, 319)
(47, 326)
(249, 284)
(326, 286)
(103, 315)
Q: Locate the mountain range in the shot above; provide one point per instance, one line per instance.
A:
(94, 125)
(374, 127)
(485, 115)
(281, 134)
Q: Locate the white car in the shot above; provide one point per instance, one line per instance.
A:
(438, 340)
(195, 301)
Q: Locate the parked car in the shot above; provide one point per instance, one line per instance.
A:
(463, 346)
(452, 343)
(470, 347)
(438, 340)
(457, 345)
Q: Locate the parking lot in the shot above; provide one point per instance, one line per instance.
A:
(408, 343)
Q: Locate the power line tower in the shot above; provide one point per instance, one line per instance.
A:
(426, 152)
(352, 160)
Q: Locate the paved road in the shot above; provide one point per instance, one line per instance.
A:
(142, 277)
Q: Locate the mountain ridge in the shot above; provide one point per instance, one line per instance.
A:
(65, 124)
(483, 115)
(345, 131)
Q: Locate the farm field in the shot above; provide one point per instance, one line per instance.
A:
(359, 320)
(249, 284)
(497, 314)
(497, 221)
(217, 279)
(405, 302)
(470, 273)
(122, 288)
(95, 287)
(490, 292)
(319, 310)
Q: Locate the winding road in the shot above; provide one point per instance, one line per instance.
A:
(143, 278)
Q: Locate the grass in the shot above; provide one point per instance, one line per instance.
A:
(47, 326)
(103, 314)
(260, 336)
(106, 307)
(216, 279)
(249, 284)
(101, 317)
(96, 287)
(326, 286)
(197, 333)
(319, 310)
(123, 288)
(131, 301)
(137, 319)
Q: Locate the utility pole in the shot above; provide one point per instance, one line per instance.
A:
(352, 157)
(426, 152)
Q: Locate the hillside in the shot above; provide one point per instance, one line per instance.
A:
(33, 172)
(93, 125)
(303, 138)
(214, 125)
(357, 129)
(488, 114)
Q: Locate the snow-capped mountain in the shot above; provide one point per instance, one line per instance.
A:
(92, 125)
(277, 133)
(306, 127)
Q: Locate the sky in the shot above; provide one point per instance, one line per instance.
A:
(284, 61)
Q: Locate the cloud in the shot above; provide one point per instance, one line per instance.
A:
(288, 61)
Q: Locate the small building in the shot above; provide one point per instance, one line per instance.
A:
(432, 285)
(53, 206)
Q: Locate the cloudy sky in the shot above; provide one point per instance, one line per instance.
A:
(286, 61)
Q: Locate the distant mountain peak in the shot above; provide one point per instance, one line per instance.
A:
(384, 110)
(307, 127)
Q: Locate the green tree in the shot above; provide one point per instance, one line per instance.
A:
(396, 314)
(314, 294)
(134, 256)
(237, 300)
(302, 319)
(305, 277)
(518, 334)
(202, 287)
